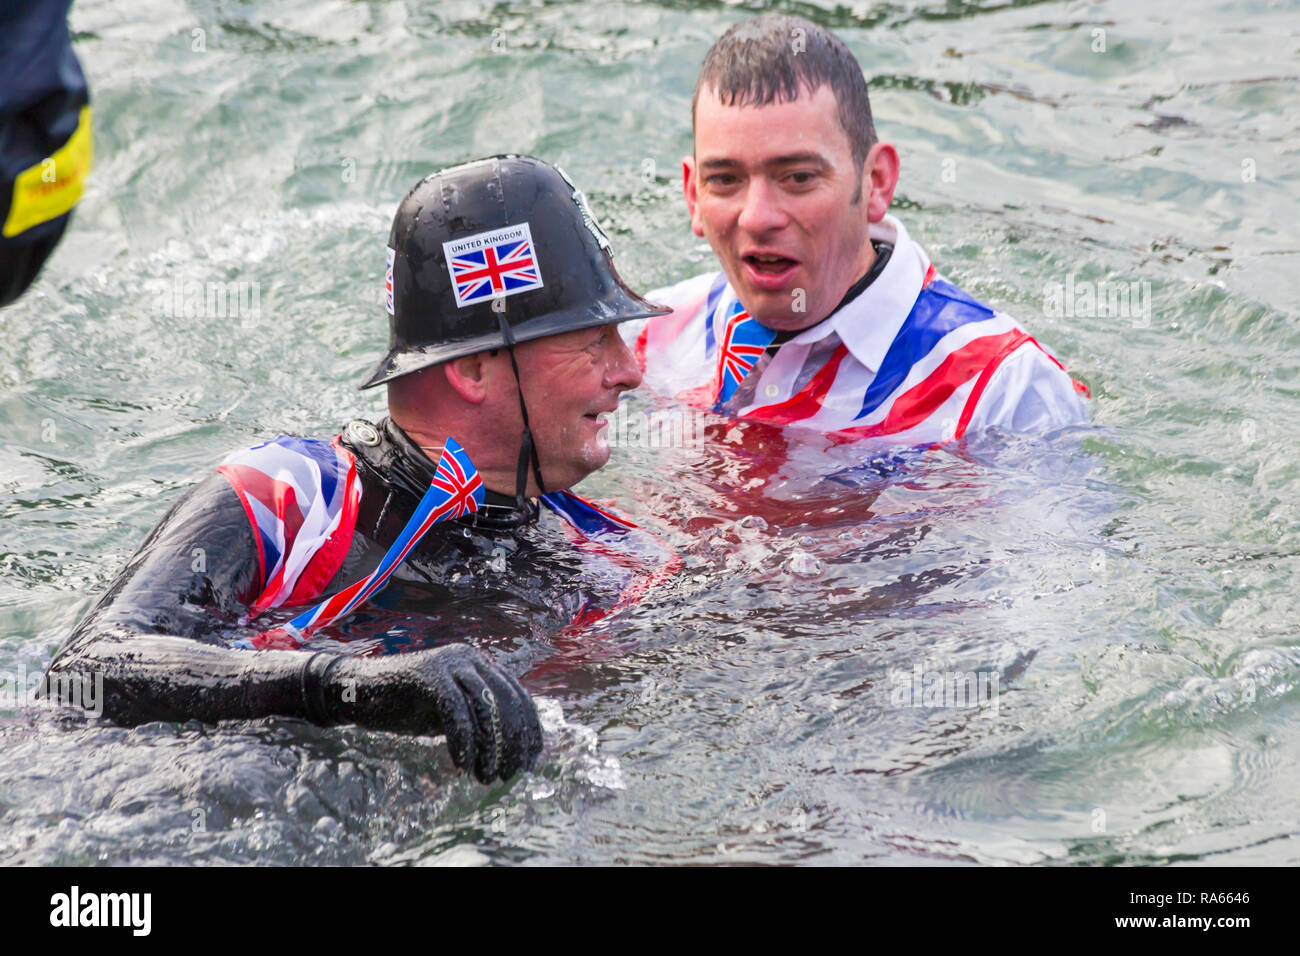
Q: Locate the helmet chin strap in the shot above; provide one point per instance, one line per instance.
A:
(527, 447)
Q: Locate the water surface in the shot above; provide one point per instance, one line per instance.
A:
(1130, 583)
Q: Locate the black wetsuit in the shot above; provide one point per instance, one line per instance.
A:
(159, 636)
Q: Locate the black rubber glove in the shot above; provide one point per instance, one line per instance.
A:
(490, 721)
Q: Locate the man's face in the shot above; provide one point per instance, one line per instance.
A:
(771, 188)
(568, 380)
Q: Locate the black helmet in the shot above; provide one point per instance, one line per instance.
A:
(467, 240)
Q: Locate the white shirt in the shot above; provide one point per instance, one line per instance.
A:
(911, 360)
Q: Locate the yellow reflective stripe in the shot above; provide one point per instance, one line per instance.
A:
(52, 186)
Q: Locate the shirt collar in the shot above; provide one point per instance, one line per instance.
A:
(868, 324)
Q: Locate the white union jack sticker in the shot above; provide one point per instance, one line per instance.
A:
(492, 265)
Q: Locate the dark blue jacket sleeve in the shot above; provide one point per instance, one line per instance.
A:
(42, 92)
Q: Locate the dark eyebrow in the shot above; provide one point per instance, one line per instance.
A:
(789, 159)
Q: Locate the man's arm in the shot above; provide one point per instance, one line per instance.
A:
(155, 641)
(45, 137)
(1029, 393)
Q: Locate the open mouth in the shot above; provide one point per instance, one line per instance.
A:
(769, 265)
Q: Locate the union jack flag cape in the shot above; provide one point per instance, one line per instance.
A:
(455, 491)
(302, 496)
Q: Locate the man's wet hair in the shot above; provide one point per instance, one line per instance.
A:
(773, 58)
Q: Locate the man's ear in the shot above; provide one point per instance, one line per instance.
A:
(882, 177)
(692, 200)
(468, 376)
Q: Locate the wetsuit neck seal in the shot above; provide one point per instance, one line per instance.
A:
(393, 461)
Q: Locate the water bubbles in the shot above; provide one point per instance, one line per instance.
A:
(577, 746)
(462, 855)
(753, 522)
(542, 790)
(328, 827)
(803, 565)
(550, 714)
(608, 774)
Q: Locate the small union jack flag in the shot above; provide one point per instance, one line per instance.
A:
(456, 490)
(493, 264)
(388, 281)
(459, 481)
(743, 343)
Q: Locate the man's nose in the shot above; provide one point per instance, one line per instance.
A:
(762, 209)
(624, 371)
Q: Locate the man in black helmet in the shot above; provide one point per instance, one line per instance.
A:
(448, 519)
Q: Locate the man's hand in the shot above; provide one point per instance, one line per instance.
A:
(490, 721)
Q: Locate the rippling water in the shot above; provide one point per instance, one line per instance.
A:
(1130, 584)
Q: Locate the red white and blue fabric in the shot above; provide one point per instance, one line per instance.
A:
(912, 360)
(587, 517)
(455, 491)
(646, 560)
(743, 343)
(301, 498)
(388, 281)
(495, 269)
